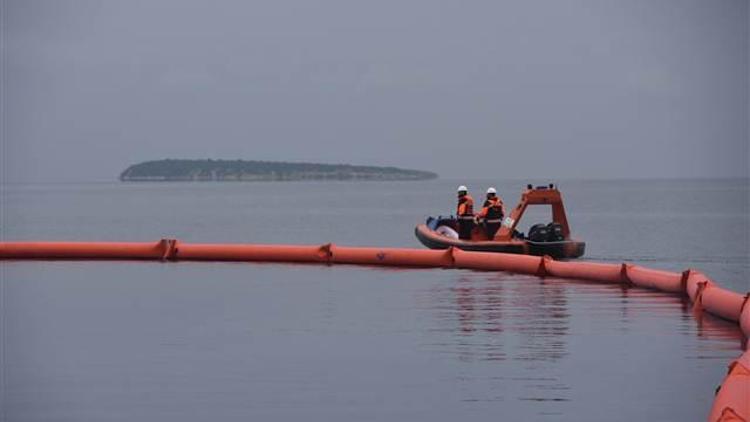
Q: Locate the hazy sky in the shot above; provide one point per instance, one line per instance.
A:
(506, 89)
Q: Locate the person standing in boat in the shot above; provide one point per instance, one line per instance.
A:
(465, 213)
(491, 215)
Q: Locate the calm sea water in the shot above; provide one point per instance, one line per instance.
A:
(121, 341)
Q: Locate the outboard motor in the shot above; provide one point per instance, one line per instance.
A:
(555, 232)
(539, 233)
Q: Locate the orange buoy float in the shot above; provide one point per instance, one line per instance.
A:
(732, 402)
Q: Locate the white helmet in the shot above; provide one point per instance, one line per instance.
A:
(463, 188)
(491, 190)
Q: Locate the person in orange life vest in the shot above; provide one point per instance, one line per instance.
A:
(491, 215)
(465, 213)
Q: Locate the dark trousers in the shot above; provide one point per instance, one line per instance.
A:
(491, 229)
(464, 229)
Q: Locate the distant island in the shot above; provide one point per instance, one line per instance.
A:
(251, 171)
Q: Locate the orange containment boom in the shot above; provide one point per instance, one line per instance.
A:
(732, 402)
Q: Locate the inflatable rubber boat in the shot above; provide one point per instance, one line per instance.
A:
(552, 239)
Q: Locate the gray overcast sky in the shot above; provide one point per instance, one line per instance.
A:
(507, 89)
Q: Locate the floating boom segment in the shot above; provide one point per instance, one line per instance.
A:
(732, 402)
(82, 250)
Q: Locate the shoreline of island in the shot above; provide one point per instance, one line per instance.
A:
(210, 170)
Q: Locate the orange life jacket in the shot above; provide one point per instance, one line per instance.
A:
(465, 210)
(492, 212)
